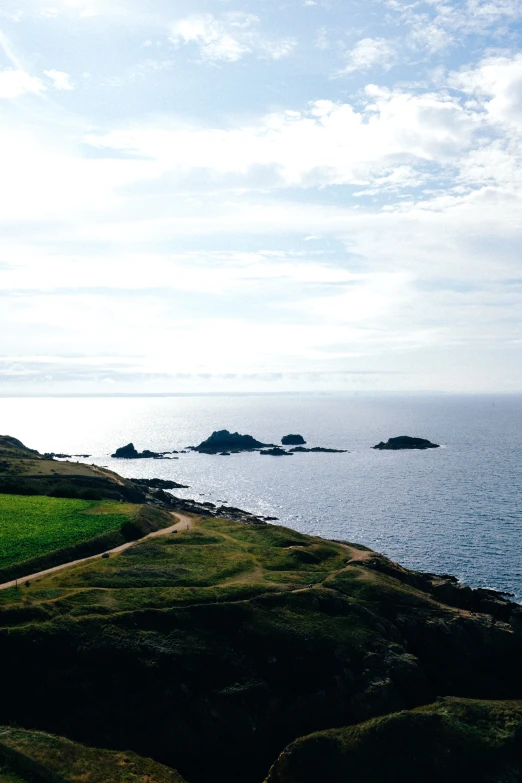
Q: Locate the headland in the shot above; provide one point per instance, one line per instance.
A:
(237, 651)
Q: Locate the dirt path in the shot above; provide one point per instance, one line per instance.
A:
(184, 522)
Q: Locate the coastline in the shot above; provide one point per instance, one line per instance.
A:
(466, 596)
(244, 638)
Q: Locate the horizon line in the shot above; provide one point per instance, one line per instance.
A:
(357, 392)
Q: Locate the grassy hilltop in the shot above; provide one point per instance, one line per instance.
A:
(213, 649)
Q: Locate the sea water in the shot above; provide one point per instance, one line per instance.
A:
(456, 509)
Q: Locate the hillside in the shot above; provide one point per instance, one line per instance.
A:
(452, 740)
(25, 471)
(29, 756)
(213, 649)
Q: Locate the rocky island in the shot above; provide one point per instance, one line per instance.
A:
(240, 652)
(318, 449)
(130, 452)
(293, 440)
(225, 441)
(406, 442)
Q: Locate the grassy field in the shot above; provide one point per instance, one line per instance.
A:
(33, 526)
(214, 561)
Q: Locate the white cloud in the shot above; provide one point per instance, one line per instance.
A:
(229, 38)
(367, 53)
(438, 24)
(15, 83)
(61, 81)
(375, 296)
(497, 83)
(214, 38)
(382, 222)
(330, 143)
(275, 50)
(50, 12)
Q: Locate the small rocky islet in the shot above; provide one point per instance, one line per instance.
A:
(293, 440)
(224, 441)
(406, 442)
(317, 450)
(130, 452)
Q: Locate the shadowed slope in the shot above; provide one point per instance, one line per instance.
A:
(453, 740)
(34, 755)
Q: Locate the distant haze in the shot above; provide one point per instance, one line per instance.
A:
(257, 196)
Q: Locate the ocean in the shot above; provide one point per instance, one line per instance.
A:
(457, 509)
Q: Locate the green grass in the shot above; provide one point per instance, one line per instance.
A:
(34, 526)
(216, 561)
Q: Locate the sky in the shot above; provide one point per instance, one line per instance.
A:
(222, 196)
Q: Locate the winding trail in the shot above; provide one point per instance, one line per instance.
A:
(184, 522)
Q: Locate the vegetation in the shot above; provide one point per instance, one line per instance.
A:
(237, 639)
(452, 740)
(24, 471)
(66, 530)
(33, 526)
(34, 755)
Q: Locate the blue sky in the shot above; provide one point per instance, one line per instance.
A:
(239, 196)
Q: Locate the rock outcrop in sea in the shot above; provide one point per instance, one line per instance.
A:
(293, 440)
(406, 442)
(319, 449)
(223, 440)
(157, 483)
(130, 452)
